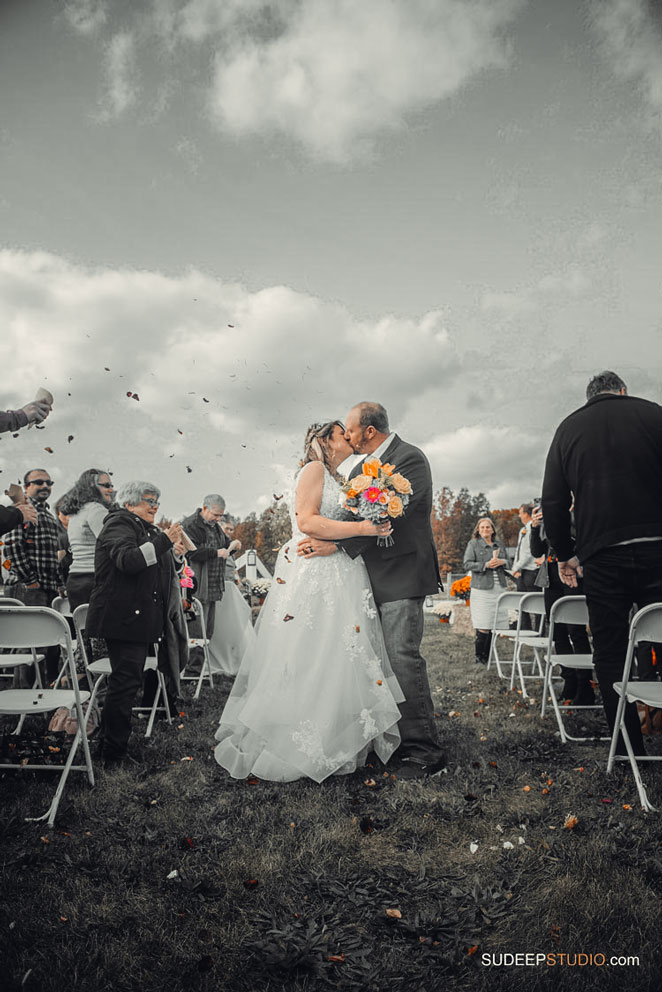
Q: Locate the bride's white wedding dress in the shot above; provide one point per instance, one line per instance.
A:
(315, 691)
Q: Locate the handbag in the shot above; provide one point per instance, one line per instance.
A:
(65, 719)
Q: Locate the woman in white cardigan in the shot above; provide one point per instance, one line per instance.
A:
(87, 504)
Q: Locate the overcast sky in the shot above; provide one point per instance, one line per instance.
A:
(255, 214)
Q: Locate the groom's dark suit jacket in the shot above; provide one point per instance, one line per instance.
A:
(410, 567)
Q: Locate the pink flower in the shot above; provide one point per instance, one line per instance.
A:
(372, 494)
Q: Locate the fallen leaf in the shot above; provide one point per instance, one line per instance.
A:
(188, 468)
(473, 847)
(570, 822)
(287, 617)
(70, 438)
(607, 801)
(250, 883)
(395, 914)
(49, 450)
(627, 806)
(205, 400)
(370, 782)
(526, 788)
(472, 950)
(379, 682)
(281, 582)
(358, 628)
(337, 958)
(252, 780)
(187, 758)
(276, 498)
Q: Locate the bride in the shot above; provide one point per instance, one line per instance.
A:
(315, 691)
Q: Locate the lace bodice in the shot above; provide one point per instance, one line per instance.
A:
(330, 505)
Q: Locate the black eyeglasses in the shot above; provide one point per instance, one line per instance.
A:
(105, 485)
(40, 482)
(150, 501)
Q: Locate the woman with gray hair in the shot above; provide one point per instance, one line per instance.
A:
(135, 595)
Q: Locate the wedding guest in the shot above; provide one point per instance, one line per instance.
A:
(233, 631)
(86, 504)
(32, 549)
(31, 413)
(207, 561)
(135, 602)
(609, 454)
(486, 559)
(17, 515)
(525, 567)
(63, 546)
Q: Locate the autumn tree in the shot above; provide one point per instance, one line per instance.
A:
(507, 523)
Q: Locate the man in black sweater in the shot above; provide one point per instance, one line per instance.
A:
(609, 454)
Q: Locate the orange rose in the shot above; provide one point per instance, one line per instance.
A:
(400, 484)
(371, 467)
(351, 494)
(388, 469)
(383, 498)
(394, 507)
(361, 482)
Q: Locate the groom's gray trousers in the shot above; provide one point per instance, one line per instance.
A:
(402, 625)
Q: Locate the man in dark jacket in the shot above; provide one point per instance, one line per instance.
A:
(134, 574)
(401, 575)
(609, 454)
(207, 561)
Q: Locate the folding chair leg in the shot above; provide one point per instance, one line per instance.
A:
(160, 692)
(51, 812)
(641, 789)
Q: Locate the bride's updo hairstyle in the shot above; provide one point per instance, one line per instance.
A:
(314, 446)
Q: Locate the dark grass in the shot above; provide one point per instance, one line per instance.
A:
(287, 886)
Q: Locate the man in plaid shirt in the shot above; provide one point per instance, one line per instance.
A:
(31, 550)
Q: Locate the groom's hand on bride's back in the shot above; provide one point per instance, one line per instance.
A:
(312, 547)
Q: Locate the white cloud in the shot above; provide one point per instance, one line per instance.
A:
(242, 395)
(331, 76)
(120, 76)
(504, 462)
(340, 74)
(630, 32)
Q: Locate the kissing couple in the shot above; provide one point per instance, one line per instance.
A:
(336, 670)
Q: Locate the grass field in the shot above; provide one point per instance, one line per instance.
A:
(170, 875)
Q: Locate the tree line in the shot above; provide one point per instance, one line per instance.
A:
(454, 516)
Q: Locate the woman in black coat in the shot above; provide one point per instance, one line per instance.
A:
(134, 591)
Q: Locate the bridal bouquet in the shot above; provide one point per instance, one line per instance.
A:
(378, 493)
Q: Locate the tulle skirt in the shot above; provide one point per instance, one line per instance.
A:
(315, 691)
(233, 631)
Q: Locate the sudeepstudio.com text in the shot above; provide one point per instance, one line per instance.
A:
(558, 959)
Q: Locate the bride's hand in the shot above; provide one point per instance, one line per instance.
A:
(375, 530)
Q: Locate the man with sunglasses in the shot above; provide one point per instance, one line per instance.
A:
(31, 549)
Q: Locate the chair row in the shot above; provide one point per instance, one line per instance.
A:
(24, 632)
(646, 625)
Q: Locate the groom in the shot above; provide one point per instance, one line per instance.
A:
(402, 576)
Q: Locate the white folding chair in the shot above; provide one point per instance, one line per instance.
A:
(201, 642)
(100, 669)
(531, 603)
(9, 662)
(507, 603)
(572, 610)
(61, 605)
(646, 626)
(24, 627)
